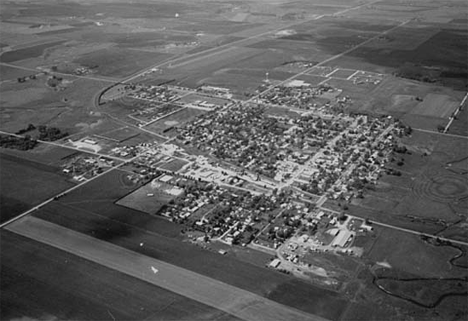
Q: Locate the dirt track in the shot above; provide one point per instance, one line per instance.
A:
(240, 303)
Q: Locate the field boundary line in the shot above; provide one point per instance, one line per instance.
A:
(234, 43)
(222, 296)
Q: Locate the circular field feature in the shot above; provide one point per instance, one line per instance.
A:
(444, 188)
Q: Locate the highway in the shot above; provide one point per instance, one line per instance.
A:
(454, 115)
(418, 233)
(235, 301)
(440, 133)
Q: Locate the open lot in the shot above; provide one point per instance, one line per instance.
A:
(149, 198)
(118, 62)
(408, 253)
(176, 119)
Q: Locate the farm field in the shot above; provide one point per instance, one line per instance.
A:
(116, 62)
(204, 289)
(91, 211)
(401, 62)
(429, 195)
(25, 53)
(29, 269)
(460, 124)
(29, 184)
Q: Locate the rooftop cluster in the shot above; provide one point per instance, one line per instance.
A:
(247, 137)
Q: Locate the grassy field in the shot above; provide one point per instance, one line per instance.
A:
(34, 102)
(78, 289)
(460, 125)
(436, 105)
(147, 199)
(430, 195)
(176, 119)
(30, 52)
(118, 62)
(174, 165)
(120, 134)
(11, 73)
(26, 183)
(408, 253)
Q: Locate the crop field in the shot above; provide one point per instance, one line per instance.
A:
(436, 105)
(25, 53)
(228, 270)
(42, 154)
(29, 269)
(291, 50)
(66, 54)
(118, 62)
(217, 27)
(29, 183)
(430, 195)
(460, 125)
(91, 211)
(445, 50)
(12, 73)
(174, 120)
(34, 102)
